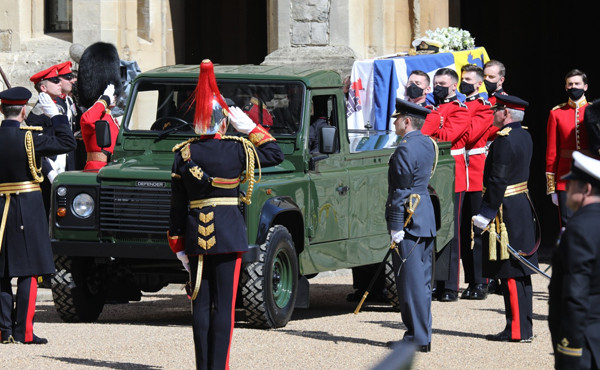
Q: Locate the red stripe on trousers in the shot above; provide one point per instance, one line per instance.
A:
(513, 296)
(236, 277)
(31, 309)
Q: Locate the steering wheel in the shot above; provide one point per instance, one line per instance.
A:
(158, 125)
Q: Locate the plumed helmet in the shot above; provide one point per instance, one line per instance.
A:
(210, 106)
(99, 66)
(591, 120)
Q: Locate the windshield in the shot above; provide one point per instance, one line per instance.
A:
(161, 105)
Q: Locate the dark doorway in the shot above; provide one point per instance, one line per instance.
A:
(538, 42)
(226, 31)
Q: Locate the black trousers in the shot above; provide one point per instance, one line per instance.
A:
(214, 309)
(518, 305)
(471, 258)
(17, 319)
(447, 267)
(564, 213)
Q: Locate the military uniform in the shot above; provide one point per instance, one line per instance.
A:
(25, 252)
(450, 121)
(97, 157)
(574, 304)
(565, 133)
(506, 203)
(574, 313)
(409, 172)
(206, 223)
(214, 227)
(482, 118)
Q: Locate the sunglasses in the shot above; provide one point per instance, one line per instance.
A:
(54, 80)
(68, 76)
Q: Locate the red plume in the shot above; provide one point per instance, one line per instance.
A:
(206, 90)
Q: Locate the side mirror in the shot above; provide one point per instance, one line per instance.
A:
(103, 134)
(328, 142)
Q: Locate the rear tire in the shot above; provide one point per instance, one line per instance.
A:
(270, 286)
(390, 285)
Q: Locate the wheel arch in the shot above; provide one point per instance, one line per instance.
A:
(282, 211)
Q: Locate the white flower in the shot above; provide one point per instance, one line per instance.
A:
(452, 38)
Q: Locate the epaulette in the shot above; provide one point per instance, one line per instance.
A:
(32, 128)
(485, 101)
(559, 106)
(504, 131)
(178, 147)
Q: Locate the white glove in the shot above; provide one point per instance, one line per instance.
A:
(185, 261)
(241, 121)
(110, 92)
(397, 236)
(51, 175)
(554, 198)
(480, 221)
(47, 104)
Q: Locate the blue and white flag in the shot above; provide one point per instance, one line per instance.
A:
(375, 83)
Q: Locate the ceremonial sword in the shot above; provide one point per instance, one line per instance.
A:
(521, 258)
(411, 210)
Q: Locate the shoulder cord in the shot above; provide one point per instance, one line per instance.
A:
(435, 146)
(251, 160)
(29, 147)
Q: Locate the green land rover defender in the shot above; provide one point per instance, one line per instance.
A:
(316, 211)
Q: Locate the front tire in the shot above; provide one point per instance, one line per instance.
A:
(270, 286)
(77, 290)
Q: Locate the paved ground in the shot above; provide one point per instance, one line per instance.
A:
(155, 334)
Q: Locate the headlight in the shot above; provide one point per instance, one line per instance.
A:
(61, 191)
(83, 205)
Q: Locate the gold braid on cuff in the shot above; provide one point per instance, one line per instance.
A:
(550, 183)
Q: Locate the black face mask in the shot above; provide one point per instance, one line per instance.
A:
(490, 86)
(413, 91)
(466, 88)
(575, 94)
(440, 93)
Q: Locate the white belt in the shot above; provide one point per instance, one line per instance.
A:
(460, 151)
(474, 151)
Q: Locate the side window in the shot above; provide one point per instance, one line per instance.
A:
(323, 115)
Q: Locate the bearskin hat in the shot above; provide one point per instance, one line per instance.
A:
(591, 120)
(98, 67)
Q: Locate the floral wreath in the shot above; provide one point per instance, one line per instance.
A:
(452, 38)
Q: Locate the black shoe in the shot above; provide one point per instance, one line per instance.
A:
(426, 348)
(466, 294)
(479, 292)
(505, 337)
(448, 296)
(494, 287)
(35, 340)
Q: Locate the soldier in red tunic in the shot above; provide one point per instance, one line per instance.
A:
(482, 119)
(565, 134)
(450, 121)
(98, 85)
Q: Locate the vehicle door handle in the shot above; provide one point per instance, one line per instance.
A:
(342, 190)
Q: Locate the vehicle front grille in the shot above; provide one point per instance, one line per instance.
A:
(134, 212)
